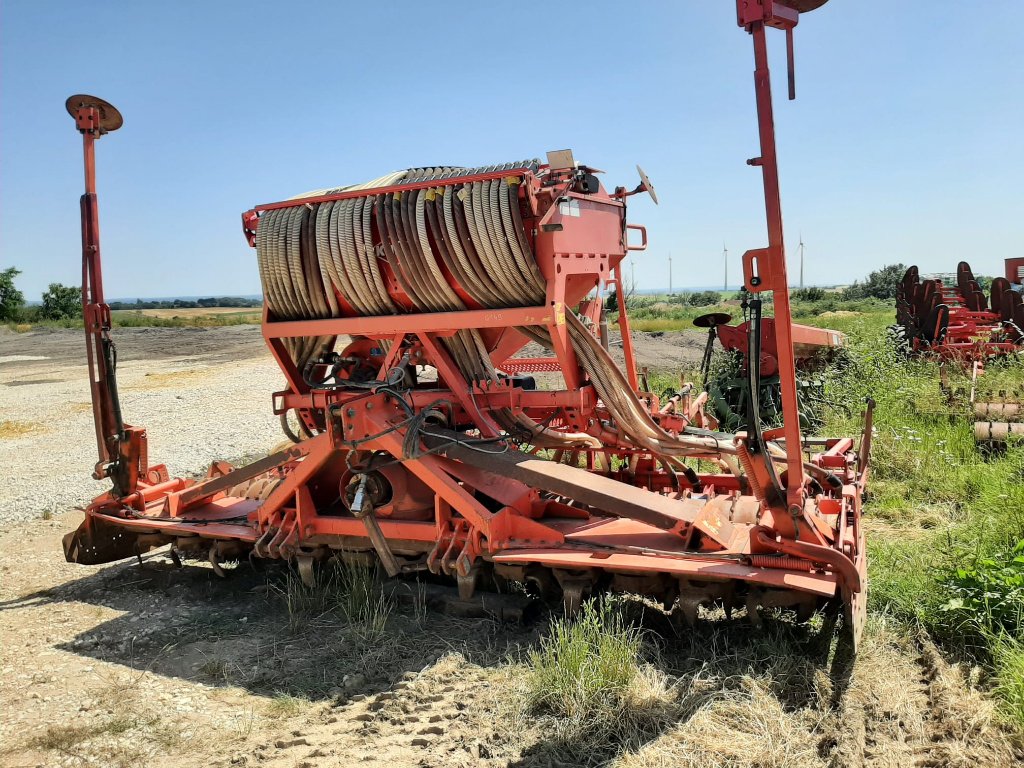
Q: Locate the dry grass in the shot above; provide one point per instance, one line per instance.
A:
(131, 733)
(740, 723)
(167, 314)
(12, 430)
(285, 705)
(160, 380)
(771, 703)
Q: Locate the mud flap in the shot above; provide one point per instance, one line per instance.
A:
(95, 542)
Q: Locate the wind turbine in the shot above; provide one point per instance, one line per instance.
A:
(670, 273)
(725, 263)
(801, 259)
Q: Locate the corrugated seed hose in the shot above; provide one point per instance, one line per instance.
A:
(308, 253)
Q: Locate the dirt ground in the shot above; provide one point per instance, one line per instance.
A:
(146, 664)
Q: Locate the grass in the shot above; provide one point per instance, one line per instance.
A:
(131, 732)
(945, 520)
(588, 684)
(12, 429)
(583, 667)
(285, 705)
(650, 314)
(343, 591)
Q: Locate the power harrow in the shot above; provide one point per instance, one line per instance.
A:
(395, 310)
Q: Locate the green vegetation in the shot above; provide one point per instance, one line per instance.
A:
(651, 314)
(11, 299)
(589, 685)
(61, 301)
(343, 591)
(583, 667)
(30, 318)
(62, 308)
(880, 284)
(945, 521)
(124, 319)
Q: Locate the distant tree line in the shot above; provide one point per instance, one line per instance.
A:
(213, 301)
(64, 302)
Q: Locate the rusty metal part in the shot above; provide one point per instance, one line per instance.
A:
(998, 411)
(997, 431)
(108, 117)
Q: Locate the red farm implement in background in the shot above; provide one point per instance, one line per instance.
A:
(951, 318)
(729, 404)
(395, 310)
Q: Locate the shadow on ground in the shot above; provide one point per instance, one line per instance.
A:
(252, 630)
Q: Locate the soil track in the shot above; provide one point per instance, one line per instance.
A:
(130, 664)
(145, 664)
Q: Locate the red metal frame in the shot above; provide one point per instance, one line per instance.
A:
(952, 319)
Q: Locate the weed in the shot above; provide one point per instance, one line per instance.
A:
(987, 596)
(589, 688)
(62, 738)
(944, 521)
(284, 705)
(1009, 676)
(584, 668)
(346, 592)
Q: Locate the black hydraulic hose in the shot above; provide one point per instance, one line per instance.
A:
(757, 444)
(754, 377)
(110, 357)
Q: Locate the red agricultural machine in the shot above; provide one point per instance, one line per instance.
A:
(949, 317)
(728, 390)
(395, 309)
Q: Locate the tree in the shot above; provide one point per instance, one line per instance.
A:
(702, 298)
(811, 293)
(611, 301)
(880, 284)
(61, 301)
(11, 299)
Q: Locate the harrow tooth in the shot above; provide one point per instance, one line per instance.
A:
(467, 583)
(306, 572)
(214, 559)
(576, 587)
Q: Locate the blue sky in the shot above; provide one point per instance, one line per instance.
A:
(905, 143)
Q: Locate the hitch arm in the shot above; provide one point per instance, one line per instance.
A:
(764, 269)
(121, 449)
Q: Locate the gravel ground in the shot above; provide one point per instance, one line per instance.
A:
(125, 665)
(202, 394)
